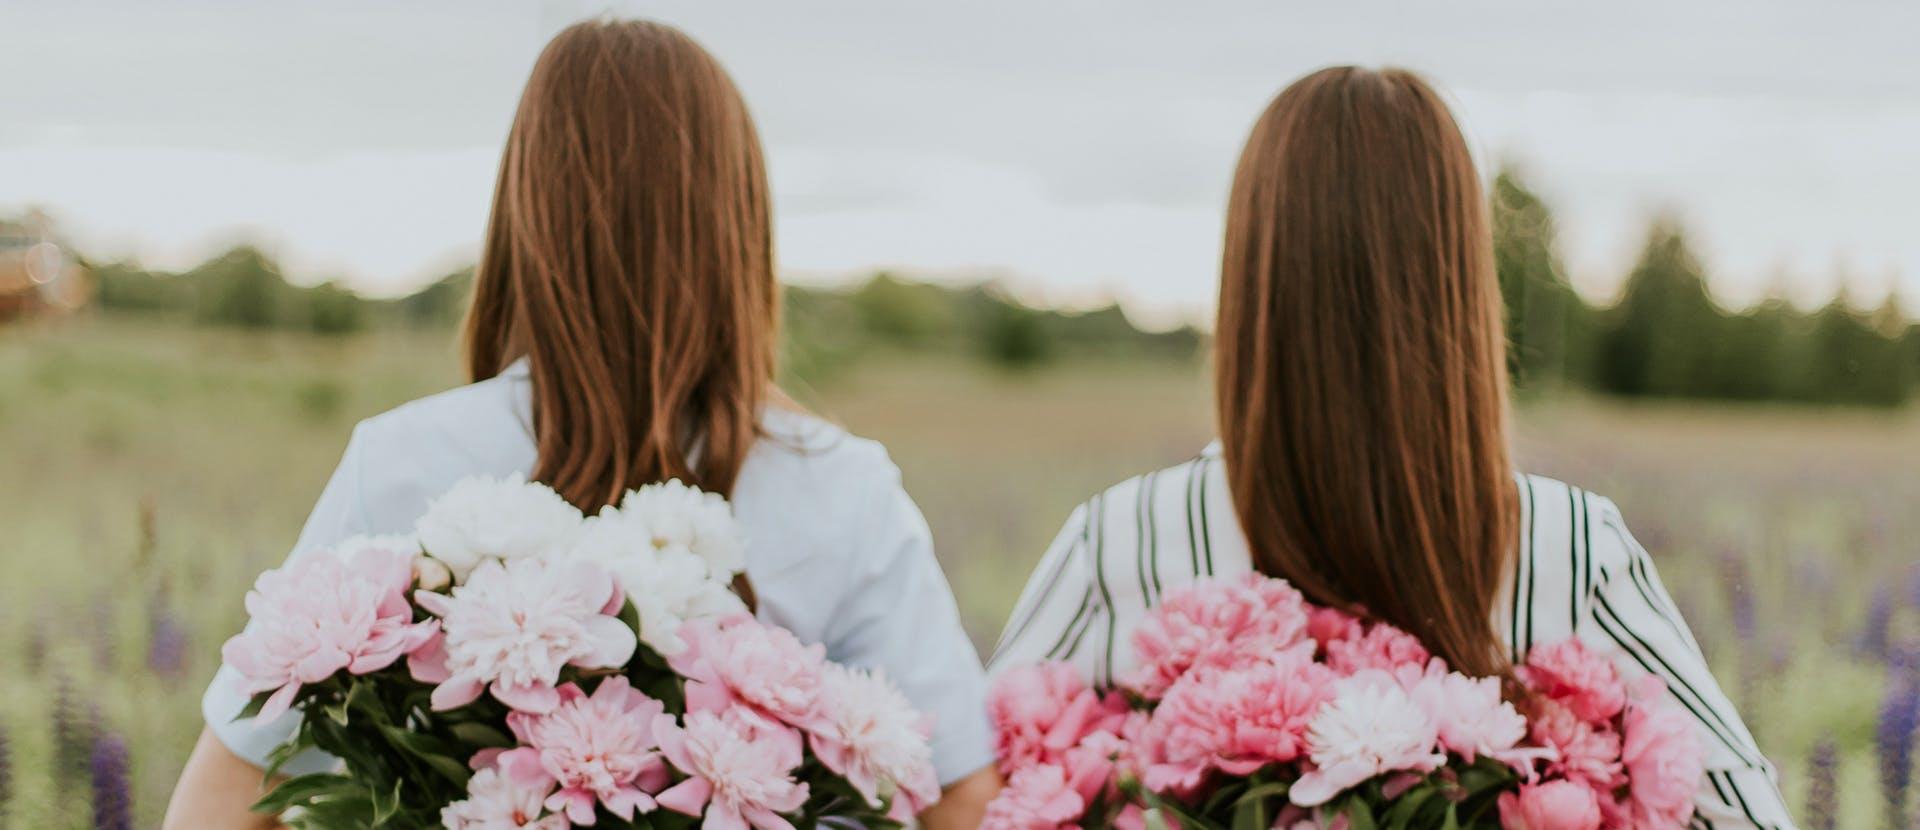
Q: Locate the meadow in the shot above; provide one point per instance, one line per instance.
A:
(148, 472)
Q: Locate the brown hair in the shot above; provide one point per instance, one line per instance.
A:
(1360, 378)
(629, 259)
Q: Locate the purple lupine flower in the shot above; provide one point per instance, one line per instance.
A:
(1822, 786)
(166, 643)
(6, 775)
(112, 790)
(1893, 738)
(72, 736)
(1874, 634)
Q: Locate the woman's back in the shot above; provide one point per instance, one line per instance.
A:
(836, 551)
(1578, 573)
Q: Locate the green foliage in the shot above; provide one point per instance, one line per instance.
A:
(332, 309)
(1013, 336)
(1667, 338)
(442, 303)
(241, 287)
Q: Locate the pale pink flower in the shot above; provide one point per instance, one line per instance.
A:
(1584, 682)
(320, 614)
(740, 767)
(1234, 720)
(512, 627)
(1381, 647)
(1662, 755)
(597, 749)
(495, 801)
(870, 734)
(1473, 719)
(1035, 798)
(1554, 805)
(739, 658)
(1370, 727)
(1217, 622)
(1093, 766)
(1025, 704)
(1583, 751)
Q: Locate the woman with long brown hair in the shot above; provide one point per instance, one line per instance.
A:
(1363, 455)
(623, 332)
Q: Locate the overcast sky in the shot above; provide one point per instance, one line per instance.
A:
(1080, 150)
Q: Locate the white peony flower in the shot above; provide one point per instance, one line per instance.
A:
(690, 519)
(668, 586)
(496, 802)
(513, 626)
(1372, 726)
(870, 733)
(483, 518)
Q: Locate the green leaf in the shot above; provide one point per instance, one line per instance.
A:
(1453, 819)
(385, 806)
(1401, 815)
(476, 733)
(1155, 821)
(1251, 814)
(428, 750)
(1359, 815)
(302, 789)
(253, 706)
(1270, 789)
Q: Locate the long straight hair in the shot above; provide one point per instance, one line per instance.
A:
(629, 260)
(1361, 387)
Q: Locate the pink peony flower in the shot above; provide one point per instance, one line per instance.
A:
(1555, 805)
(597, 749)
(1094, 765)
(1473, 719)
(1584, 682)
(513, 626)
(1583, 751)
(738, 658)
(740, 767)
(321, 613)
(869, 733)
(1036, 798)
(1219, 623)
(1025, 704)
(1662, 755)
(1327, 625)
(1370, 727)
(1381, 647)
(1234, 720)
(495, 801)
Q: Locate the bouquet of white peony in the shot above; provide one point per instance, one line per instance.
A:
(518, 664)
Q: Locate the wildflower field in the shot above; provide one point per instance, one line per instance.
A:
(148, 473)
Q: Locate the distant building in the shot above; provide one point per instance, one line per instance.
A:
(38, 277)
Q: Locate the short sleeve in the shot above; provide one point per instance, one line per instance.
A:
(1058, 606)
(899, 615)
(336, 516)
(1634, 621)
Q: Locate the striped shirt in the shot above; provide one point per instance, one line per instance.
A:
(1580, 574)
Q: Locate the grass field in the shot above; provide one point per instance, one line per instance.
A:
(149, 473)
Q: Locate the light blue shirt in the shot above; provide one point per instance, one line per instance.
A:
(836, 550)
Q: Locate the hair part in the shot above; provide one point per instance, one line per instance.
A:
(629, 260)
(1360, 361)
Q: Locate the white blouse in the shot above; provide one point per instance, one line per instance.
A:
(837, 552)
(1580, 574)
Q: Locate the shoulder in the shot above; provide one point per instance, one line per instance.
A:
(1197, 486)
(400, 458)
(821, 491)
(1560, 520)
(797, 448)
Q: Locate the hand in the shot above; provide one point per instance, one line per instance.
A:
(963, 804)
(215, 790)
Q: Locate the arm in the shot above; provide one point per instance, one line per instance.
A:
(215, 789)
(222, 778)
(963, 803)
(1633, 620)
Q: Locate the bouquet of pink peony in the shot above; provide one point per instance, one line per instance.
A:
(518, 664)
(1251, 708)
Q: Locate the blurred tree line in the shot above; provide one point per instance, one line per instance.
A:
(825, 329)
(1666, 337)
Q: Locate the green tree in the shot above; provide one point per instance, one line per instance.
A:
(333, 309)
(1659, 339)
(1014, 336)
(241, 287)
(1548, 325)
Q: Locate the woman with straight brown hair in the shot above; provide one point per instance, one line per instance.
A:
(622, 333)
(1360, 384)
